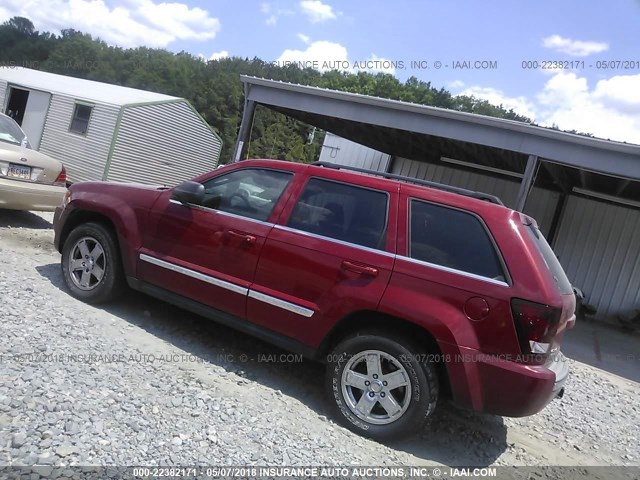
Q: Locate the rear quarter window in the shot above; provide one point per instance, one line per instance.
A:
(550, 260)
(454, 239)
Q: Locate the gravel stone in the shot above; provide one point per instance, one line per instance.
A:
(66, 450)
(102, 386)
(19, 439)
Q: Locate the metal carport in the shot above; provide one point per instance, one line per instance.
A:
(571, 165)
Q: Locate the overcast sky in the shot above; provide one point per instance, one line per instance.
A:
(485, 48)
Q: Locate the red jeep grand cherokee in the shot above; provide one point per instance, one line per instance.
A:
(407, 291)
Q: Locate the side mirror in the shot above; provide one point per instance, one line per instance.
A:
(189, 192)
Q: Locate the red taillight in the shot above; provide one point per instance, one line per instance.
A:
(62, 178)
(536, 325)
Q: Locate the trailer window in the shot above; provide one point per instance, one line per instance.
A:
(80, 120)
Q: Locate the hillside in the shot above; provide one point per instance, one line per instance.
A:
(213, 87)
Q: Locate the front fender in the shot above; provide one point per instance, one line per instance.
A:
(126, 208)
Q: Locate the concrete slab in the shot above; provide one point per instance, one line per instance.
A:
(606, 347)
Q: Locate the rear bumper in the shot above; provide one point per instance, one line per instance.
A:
(560, 367)
(503, 387)
(19, 195)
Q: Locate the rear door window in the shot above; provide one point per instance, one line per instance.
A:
(345, 212)
(453, 239)
(550, 259)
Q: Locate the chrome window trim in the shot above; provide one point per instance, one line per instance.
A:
(453, 270)
(235, 215)
(213, 210)
(276, 302)
(193, 274)
(334, 240)
(291, 307)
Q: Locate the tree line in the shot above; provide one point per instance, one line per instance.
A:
(213, 87)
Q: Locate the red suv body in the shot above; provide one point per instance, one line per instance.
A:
(409, 293)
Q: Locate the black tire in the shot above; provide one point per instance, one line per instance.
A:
(112, 282)
(422, 381)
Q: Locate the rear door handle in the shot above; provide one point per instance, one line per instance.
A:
(360, 269)
(242, 236)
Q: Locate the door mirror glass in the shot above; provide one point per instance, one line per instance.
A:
(189, 192)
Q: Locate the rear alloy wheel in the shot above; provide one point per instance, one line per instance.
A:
(380, 387)
(91, 264)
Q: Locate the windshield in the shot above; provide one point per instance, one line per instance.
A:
(10, 132)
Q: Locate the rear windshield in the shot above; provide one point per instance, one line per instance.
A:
(10, 131)
(564, 285)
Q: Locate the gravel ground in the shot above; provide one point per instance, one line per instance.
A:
(165, 387)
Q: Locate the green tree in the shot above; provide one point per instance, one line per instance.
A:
(214, 88)
(22, 25)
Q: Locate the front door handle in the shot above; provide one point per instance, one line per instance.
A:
(242, 236)
(360, 269)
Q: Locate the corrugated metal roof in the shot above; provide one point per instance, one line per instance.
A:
(79, 88)
(444, 113)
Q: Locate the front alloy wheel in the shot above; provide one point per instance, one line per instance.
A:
(87, 263)
(91, 263)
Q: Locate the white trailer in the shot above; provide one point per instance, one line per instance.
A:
(108, 132)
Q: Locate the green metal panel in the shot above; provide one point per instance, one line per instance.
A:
(116, 130)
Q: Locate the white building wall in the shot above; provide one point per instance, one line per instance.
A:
(84, 156)
(162, 144)
(3, 95)
(340, 150)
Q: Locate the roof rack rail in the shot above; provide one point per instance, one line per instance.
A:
(440, 186)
